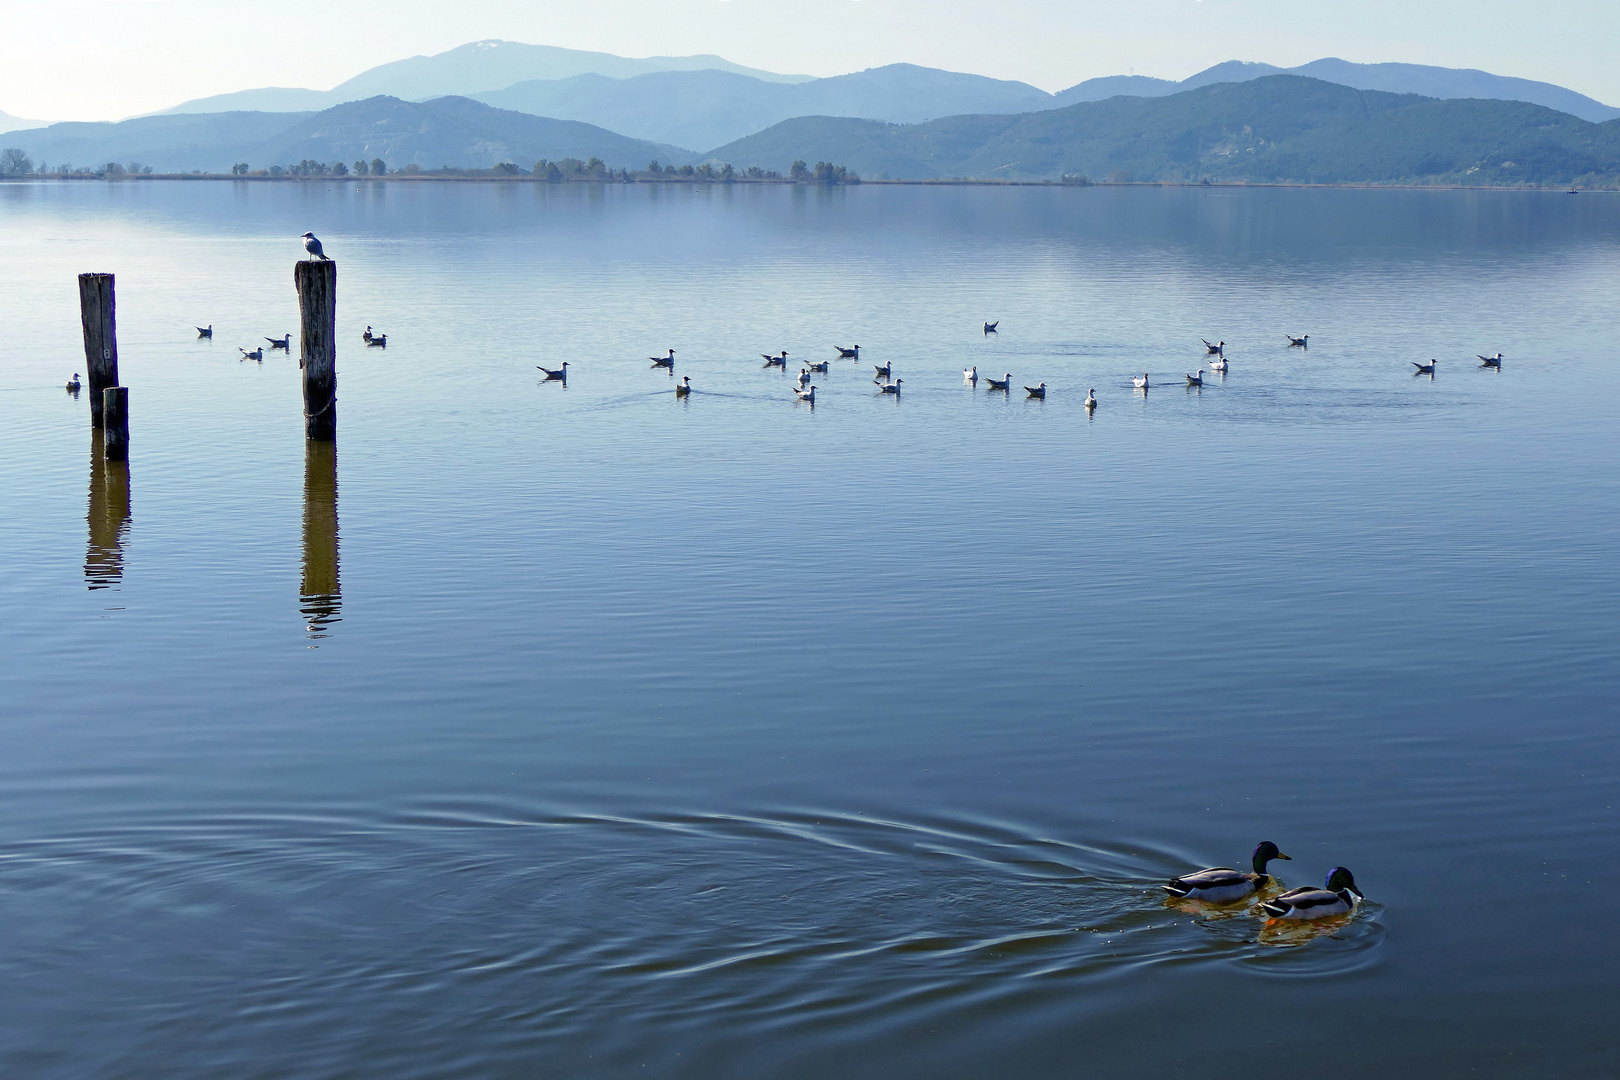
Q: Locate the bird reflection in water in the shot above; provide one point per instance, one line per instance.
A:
(320, 597)
(108, 518)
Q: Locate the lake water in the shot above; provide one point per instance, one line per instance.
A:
(588, 731)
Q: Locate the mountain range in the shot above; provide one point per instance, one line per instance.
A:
(17, 123)
(1278, 128)
(453, 131)
(1275, 128)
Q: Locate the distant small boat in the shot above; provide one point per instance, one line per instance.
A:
(848, 354)
(561, 374)
(1037, 391)
(284, 343)
(999, 384)
(990, 327)
(205, 331)
(684, 387)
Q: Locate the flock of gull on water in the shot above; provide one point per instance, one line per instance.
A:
(804, 389)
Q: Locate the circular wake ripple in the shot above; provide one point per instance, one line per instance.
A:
(298, 930)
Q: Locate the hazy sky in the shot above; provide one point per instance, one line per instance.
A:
(106, 59)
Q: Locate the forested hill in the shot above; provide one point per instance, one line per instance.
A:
(1280, 128)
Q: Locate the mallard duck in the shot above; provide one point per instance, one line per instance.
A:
(73, 384)
(1424, 369)
(1300, 342)
(999, 384)
(990, 327)
(664, 361)
(848, 354)
(1337, 898)
(684, 387)
(1216, 349)
(1091, 399)
(892, 388)
(560, 374)
(1196, 380)
(1142, 383)
(1036, 391)
(1490, 361)
(1222, 884)
(206, 331)
(284, 342)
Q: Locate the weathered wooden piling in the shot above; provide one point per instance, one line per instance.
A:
(100, 337)
(317, 304)
(115, 422)
(107, 517)
(320, 594)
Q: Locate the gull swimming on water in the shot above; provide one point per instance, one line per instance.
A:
(73, 384)
(684, 387)
(883, 371)
(1217, 349)
(891, 388)
(284, 343)
(805, 393)
(1219, 363)
(1142, 383)
(256, 354)
(1037, 391)
(971, 375)
(848, 354)
(206, 331)
(664, 361)
(1490, 361)
(560, 374)
(1424, 369)
(779, 361)
(990, 327)
(804, 377)
(999, 384)
(1196, 380)
(313, 246)
(1091, 399)
(1299, 342)
(825, 365)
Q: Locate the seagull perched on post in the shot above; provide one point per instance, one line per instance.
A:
(313, 246)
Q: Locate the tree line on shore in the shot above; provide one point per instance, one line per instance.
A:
(15, 162)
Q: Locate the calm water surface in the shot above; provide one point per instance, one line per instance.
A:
(569, 731)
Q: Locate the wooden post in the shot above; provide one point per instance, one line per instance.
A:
(115, 422)
(320, 594)
(317, 305)
(100, 337)
(107, 518)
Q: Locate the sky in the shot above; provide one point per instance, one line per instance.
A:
(109, 59)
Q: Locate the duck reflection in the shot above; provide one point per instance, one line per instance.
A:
(108, 517)
(320, 597)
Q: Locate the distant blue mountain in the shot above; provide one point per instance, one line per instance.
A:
(1435, 82)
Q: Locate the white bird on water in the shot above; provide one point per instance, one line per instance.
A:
(313, 246)
(1142, 383)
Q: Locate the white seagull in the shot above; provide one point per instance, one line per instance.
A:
(806, 394)
(1142, 383)
(1196, 380)
(1091, 399)
(313, 246)
(971, 375)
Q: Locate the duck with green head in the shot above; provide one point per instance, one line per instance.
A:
(1339, 897)
(1222, 884)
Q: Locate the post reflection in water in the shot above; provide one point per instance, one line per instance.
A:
(107, 517)
(320, 597)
